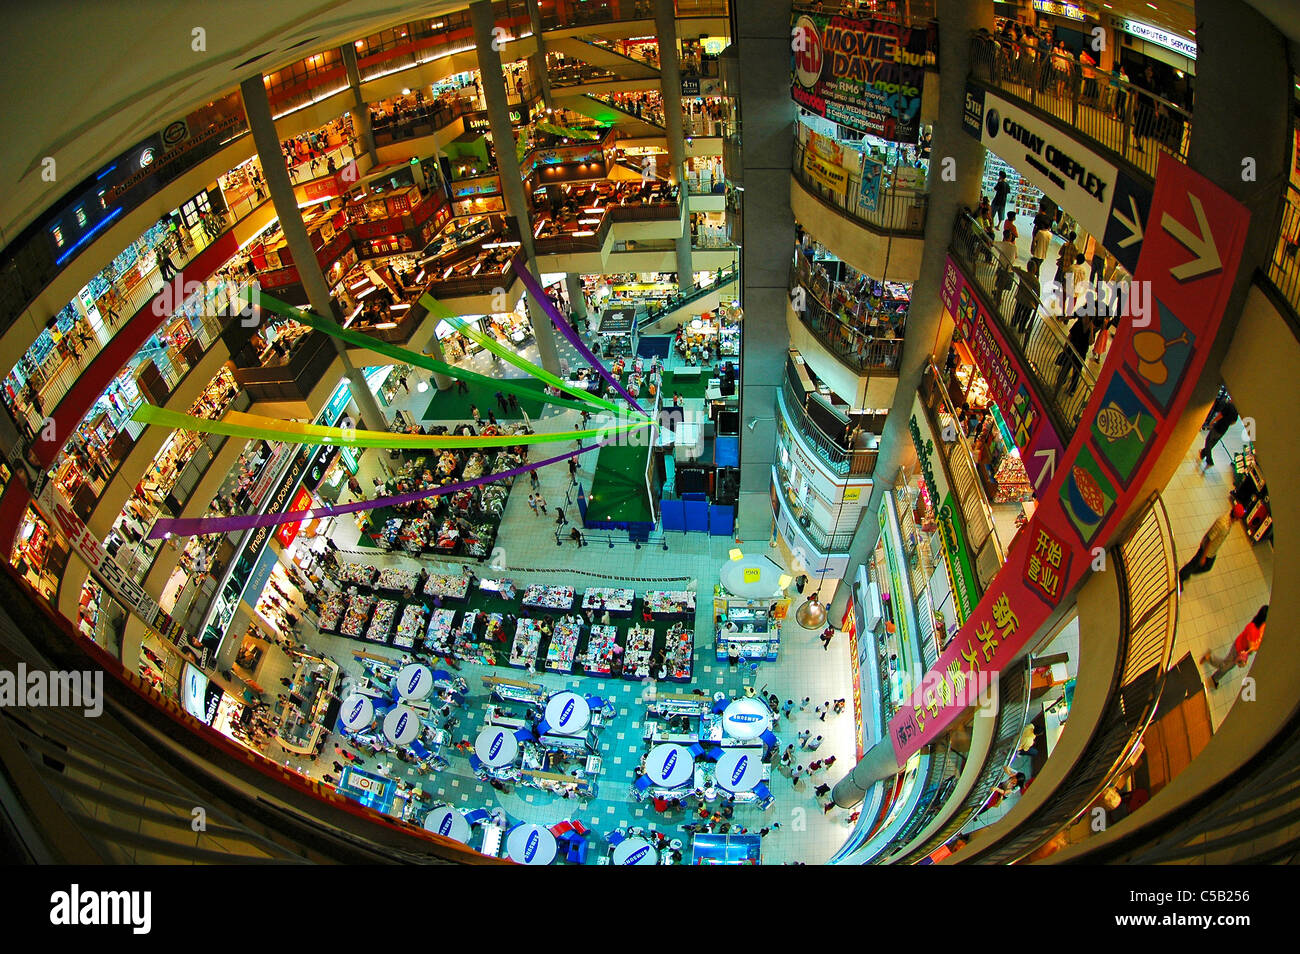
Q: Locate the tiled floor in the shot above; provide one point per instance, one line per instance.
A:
(529, 554)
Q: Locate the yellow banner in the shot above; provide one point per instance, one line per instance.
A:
(832, 177)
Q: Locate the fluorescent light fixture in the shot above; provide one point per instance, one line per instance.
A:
(358, 284)
(400, 307)
(386, 325)
(583, 234)
(366, 292)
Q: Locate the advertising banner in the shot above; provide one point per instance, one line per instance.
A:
(1009, 383)
(831, 177)
(872, 175)
(1190, 256)
(864, 74)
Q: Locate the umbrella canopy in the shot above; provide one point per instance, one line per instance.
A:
(449, 822)
(739, 770)
(746, 719)
(567, 713)
(669, 765)
(414, 682)
(357, 712)
(635, 851)
(401, 725)
(496, 746)
(531, 845)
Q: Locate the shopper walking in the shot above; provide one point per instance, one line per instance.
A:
(812, 744)
(1203, 559)
(827, 635)
(787, 756)
(807, 700)
(839, 706)
(502, 403)
(560, 518)
(532, 480)
(804, 736)
(1000, 193)
(532, 503)
(1226, 417)
(541, 503)
(787, 707)
(828, 761)
(576, 536)
(822, 790)
(1238, 654)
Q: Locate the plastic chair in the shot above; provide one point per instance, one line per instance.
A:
(561, 829)
(441, 675)
(642, 783)
(720, 705)
(543, 728)
(419, 751)
(713, 753)
(616, 838)
(769, 739)
(525, 734)
(577, 851)
(475, 763)
(695, 749)
(595, 702)
(762, 791)
(580, 828)
(478, 815)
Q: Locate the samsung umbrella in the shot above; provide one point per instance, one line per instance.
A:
(531, 845)
(635, 851)
(414, 682)
(746, 719)
(357, 713)
(496, 746)
(739, 770)
(401, 725)
(669, 765)
(448, 822)
(567, 713)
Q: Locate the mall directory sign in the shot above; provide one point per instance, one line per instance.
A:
(862, 73)
(1190, 256)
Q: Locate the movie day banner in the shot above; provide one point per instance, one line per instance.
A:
(865, 74)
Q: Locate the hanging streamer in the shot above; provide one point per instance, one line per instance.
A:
(436, 307)
(519, 266)
(407, 356)
(196, 526)
(256, 427)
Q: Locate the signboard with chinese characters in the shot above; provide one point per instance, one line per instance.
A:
(1190, 257)
(865, 74)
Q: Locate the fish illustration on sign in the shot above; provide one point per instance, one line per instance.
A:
(1115, 425)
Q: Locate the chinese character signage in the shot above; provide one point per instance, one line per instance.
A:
(1190, 255)
(865, 74)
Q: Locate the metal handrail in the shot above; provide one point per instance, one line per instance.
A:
(859, 352)
(893, 214)
(1028, 325)
(1013, 714)
(1114, 114)
(722, 277)
(1284, 265)
(1147, 568)
(841, 460)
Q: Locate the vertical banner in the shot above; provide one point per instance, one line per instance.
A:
(872, 175)
(1190, 255)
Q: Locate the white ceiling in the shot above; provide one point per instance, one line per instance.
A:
(84, 80)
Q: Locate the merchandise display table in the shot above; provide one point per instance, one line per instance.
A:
(671, 604)
(618, 602)
(411, 626)
(528, 639)
(538, 596)
(438, 635)
(636, 657)
(394, 581)
(563, 647)
(447, 587)
(381, 624)
(602, 647)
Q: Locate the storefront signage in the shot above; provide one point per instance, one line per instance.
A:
(58, 512)
(1190, 259)
(957, 558)
(1074, 176)
(690, 86)
(849, 623)
(1067, 11)
(865, 74)
(288, 532)
(1145, 31)
(152, 164)
(199, 697)
(1009, 384)
(833, 178)
(872, 176)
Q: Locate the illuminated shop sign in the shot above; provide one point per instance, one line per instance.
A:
(1145, 31)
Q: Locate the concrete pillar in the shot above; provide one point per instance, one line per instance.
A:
(512, 186)
(878, 763)
(537, 62)
(763, 40)
(670, 82)
(958, 19)
(434, 350)
(360, 114)
(267, 141)
(577, 300)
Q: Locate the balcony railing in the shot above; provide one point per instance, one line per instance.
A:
(898, 211)
(959, 460)
(1029, 325)
(826, 540)
(1148, 585)
(1131, 122)
(838, 458)
(862, 353)
(1284, 268)
(722, 277)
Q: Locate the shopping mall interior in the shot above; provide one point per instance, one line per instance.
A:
(664, 432)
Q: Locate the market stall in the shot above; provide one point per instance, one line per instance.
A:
(496, 746)
(567, 713)
(603, 651)
(670, 604)
(528, 639)
(617, 331)
(635, 851)
(669, 766)
(448, 822)
(401, 725)
(414, 682)
(563, 647)
(618, 602)
(530, 845)
(303, 714)
(538, 596)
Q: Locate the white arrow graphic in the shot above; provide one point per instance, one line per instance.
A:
(1201, 245)
(1049, 470)
(1134, 225)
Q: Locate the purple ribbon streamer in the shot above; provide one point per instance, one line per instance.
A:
(196, 526)
(520, 267)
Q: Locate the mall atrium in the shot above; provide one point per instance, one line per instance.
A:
(566, 432)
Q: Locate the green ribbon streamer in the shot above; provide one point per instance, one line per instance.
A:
(407, 356)
(523, 364)
(315, 434)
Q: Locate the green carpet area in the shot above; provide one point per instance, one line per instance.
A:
(618, 491)
(448, 405)
(689, 386)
